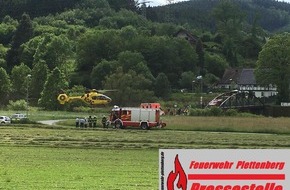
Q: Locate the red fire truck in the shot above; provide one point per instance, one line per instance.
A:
(145, 118)
(153, 106)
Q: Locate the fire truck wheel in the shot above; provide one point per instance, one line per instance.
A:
(144, 126)
(118, 124)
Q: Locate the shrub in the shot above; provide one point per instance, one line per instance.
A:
(17, 105)
(231, 112)
(198, 112)
(82, 109)
(215, 111)
(23, 121)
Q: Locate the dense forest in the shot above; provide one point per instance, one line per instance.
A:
(46, 46)
(271, 15)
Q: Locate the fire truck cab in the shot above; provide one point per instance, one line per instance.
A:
(135, 117)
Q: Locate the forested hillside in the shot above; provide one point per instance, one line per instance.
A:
(271, 15)
(46, 46)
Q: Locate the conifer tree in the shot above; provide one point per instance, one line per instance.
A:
(5, 86)
(38, 78)
(52, 87)
(23, 33)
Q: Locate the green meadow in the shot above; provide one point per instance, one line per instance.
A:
(67, 168)
(36, 156)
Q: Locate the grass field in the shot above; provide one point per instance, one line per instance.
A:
(63, 168)
(63, 157)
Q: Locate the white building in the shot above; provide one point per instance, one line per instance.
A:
(244, 80)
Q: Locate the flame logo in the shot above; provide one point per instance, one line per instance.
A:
(179, 172)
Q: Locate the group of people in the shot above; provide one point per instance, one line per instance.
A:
(91, 122)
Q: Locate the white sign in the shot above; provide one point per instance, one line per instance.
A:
(224, 169)
(286, 104)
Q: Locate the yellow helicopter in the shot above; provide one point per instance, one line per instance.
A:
(91, 97)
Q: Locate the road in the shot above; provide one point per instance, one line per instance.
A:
(49, 122)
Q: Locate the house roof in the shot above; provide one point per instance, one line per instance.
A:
(247, 77)
(230, 75)
(187, 35)
(239, 76)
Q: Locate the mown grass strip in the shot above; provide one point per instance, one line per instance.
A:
(62, 168)
(131, 139)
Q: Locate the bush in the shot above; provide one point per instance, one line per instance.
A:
(75, 106)
(198, 112)
(23, 121)
(82, 109)
(18, 105)
(215, 111)
(231, 112)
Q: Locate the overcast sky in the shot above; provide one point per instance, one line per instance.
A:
(163, 2)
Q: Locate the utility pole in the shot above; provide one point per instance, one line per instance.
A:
(27, 93)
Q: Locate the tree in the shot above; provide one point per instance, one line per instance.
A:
(94, 46)
(229, 19)
(136, 62)
(20, 79)
(38, 78)
(101, 71)
(187, 79)
(54, 50)
(3, 51)
(23, 33)
(7, 29)
(200, 53)
(131, 88)
(215, 64)
(123, 4)
(162, 86)
(52, 87)
(29, 49)
(273, 65)
(93, 4)
(128, 33)
(171, 56)
(122, 19)
(5, 87)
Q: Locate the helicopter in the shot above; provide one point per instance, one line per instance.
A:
(91, 97)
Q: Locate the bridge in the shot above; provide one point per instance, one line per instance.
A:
(240, 100)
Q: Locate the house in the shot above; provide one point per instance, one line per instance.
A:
(244, 80)
(182, 33)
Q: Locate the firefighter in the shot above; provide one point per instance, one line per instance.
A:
(95, 122)
(90, 121)
(82, 122)
(77, 122)
(104, 122)
(86, 122)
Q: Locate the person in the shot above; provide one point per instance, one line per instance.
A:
(77, 122)
(86, 122)
(82, 122)
(90, 121)
(95, 121)
(115, 116)
(104, 122)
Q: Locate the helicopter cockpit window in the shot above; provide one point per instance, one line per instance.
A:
(99, 98)
(103, 97)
